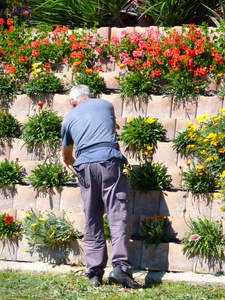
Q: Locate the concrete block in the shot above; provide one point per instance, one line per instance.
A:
(25, 197)
(165, 154)
(120, 123)
(5, 149)
(134, 109)
(198, 206)
(28, 167)
(6, 198)
(20, 213)
(61, 104)
(20, 106)
(208, 266)
(177, 228)
(155, 258)
(177, 259)
(135, 220)
(110, 78)
(116, 100)
(65, 77)
(75, 252)
(175, 173)
(104, 32)
(172, 203)
(169, 125)
(117, 32)
(217, 213)
(185, 110)
(24, 253)
(49, 201)
(159, 107)
(35, 100)
(19, 150)
(78, 220)
(8, 248)
(209, 105)
(71, 200)
(135, 252)
(147, 203)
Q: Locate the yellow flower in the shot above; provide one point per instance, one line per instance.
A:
(218, 195)
(203, 152)
(223, 174)
(34, 224)
(218, 118)
(20, 221)
(202, 118)
(200, 167)
(121, 65)
(190, 146)
(219, 74)
(62, 240)
(34, 240)
(26, 251)
(130, 120)
(149, 148)
(51, 235)
(209, 159)
(36, 65)
(145, 153)
(41, 219)
(27, 215)
(194, 128)
(17, 233)
(188, 124)
(223, 208)
(212, 117)
(150, 121)
(221, 150)
(222, 109)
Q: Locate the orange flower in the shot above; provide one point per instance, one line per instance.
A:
(149, 219)
(45, 41)
(72, 38)
(9, 22)
(201, 174)
(35, 53)
(200, 167)
(89, 71)
(8, 219)
(58, 42)
(188, 163)
(160, 218)
(10, 43)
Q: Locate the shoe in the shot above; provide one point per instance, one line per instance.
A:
(96, 280)
(117, 275)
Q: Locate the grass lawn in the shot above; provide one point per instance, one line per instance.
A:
(74, 285)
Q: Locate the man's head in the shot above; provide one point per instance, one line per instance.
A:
(79, 93)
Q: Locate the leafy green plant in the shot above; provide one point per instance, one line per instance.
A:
(141, 134)
(174, 12)
(42, 85)
(9, 87)
(137, 84)
(9, 126)
(198, 180)
(43, 128)
(204, 238)
(150, 176)
(93, 80)
(50, 231)
(49, 175)
(11, 173)
(8, 227)
(217, 17)
(154, 229)
(106, 228)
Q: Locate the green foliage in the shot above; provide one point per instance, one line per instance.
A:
(150, 176)
(137, 84)
(49, 175)
(10, 173)
(198, 180)
(93, 80)
(217, 18)
(155, 230)
(42, 85)
(174, 12)
(204, 238)
(9, 126)
(9, 87)
(8, 227)
(183, 86)
(106, 228)
(51, 231)
(141, 134)
(43, 128)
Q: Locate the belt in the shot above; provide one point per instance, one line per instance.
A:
(99, 145)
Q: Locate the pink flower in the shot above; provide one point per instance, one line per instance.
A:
(194, 237)
(105, 42)
(25, 12)
(112, 59)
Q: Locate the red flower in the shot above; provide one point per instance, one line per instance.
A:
(40, 104)
(58, 43)
(44, 42)
(1, 21)
(10, 43)
(8, 219)
(35, 53)
(9, 22)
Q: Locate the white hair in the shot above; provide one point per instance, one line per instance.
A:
(79, 91)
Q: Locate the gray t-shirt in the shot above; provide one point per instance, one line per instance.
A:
(90, 123)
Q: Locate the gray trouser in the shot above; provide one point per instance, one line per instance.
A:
(105, 189)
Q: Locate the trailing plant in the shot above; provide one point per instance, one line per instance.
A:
(150, 176)
(8, 226)
(43, 128)
(141, 135)
(49, 175)
(204, 238)
(11, 173)
(50, 231)
(154, 229)
(93, 80)
(106, 228)
(198, 180)
(9, 126)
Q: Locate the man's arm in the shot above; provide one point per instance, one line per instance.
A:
(67, 155)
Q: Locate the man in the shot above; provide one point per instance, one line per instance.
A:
(90, 126)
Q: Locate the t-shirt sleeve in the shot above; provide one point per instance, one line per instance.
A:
(66, 136)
